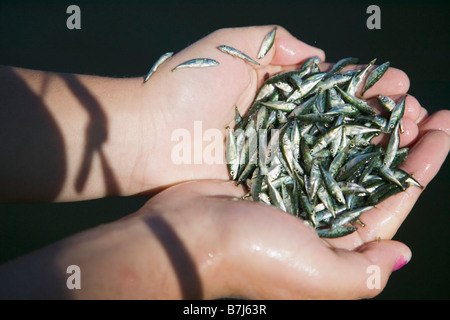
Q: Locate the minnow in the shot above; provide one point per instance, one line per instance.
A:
(333, 98)
(344, 110)
(338, 66)
(406, 177)
(197, 63)
(375, 75)
(382, 192)
(315, 117)
(396, 115)
(232, 154)
(332, 186)
(237, 117)
(265, 92)
(304, 87)
(387, 174)
(358, 103)
(158, 63)
(337, 79)
(387, 103)
(392, 146)
(349, 216)
(275, 196)
(279, 105)
(356, 81)
(354, 164)
(327, 201)
(336, 232)
(315, 179)
(267, 43)
(236, 53)
(324, 139)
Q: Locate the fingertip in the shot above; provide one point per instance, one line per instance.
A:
(365, 271)
(393, 82)
(410, 132)
(386, 253)
(383, 258)
(413, 108)
(427, 156)
(440, 120)
(289, 50)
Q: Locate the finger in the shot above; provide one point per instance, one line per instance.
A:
(364, 273)
(289, 50)
(393, 82)
(423, 163)
(423, 115)
(317, 272)
(407, 137)
(440, 120)
(413, 109)
(411, 117)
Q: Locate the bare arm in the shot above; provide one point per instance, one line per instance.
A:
(65, 137)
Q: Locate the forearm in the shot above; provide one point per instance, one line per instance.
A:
(116, 261)
(66, 137)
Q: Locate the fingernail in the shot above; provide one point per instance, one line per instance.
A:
(399, 263)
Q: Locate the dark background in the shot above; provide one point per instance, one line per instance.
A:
(124, 38)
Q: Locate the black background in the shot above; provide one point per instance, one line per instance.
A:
(124, 38)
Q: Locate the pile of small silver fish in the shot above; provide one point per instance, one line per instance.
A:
(305, 147)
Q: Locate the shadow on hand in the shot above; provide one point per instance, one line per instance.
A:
(182, 263)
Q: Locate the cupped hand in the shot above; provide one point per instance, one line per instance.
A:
(222, 246)
(192, 107)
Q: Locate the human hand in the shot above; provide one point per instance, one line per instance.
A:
(207, 96)
(197, 100)
(231, 247)
(200, 240)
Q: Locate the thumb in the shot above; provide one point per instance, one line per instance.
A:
(364, 272)
(289, 50)
(286, 49)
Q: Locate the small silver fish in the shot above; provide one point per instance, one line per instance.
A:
(354, 84)
(267, 43)
(314, 155)
(375, 75)
(236, 53)
(158, 62)
(197, 63)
